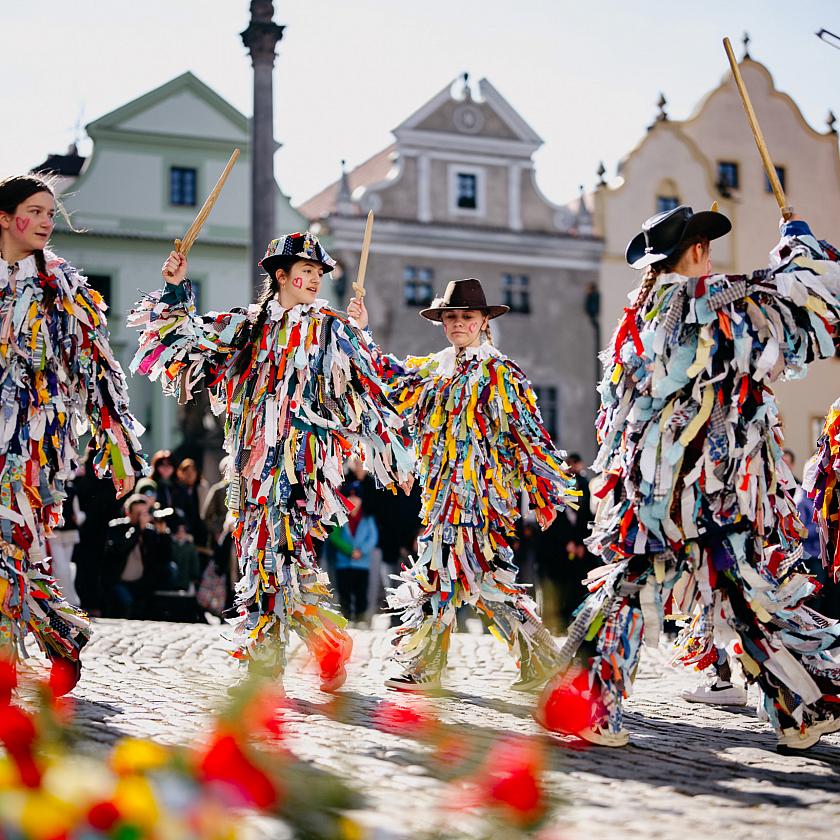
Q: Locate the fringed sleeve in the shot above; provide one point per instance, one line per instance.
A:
(821, 481)
(181, 348)
(544, 474)
(403, 379)
(355, 394)
(116, 432)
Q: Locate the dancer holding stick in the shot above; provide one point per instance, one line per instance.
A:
(696, 514)
(300, 394)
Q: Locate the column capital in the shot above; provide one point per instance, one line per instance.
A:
(262, 35)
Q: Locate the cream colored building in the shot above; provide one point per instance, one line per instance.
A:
(455, 195)
(154, 161)
(709, 157)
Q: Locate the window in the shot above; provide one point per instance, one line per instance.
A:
(547, 404)
(182, 186)
(780, 174)
(467, 196)
(419, 285)
(664, 203)
(467, 190)
(516, 292)
(102, 284)
(727, 176)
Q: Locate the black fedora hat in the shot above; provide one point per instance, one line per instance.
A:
(463, 294)
(662, 234)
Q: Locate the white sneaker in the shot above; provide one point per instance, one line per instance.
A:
(413, 684)
(717, 693)
(794, 739)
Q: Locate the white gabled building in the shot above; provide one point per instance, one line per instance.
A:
(154, 161)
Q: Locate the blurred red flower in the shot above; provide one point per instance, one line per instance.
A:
(8, 681)
(225, 762)
(510, 779)
(402, 720)
(103, 815)
(17, 733)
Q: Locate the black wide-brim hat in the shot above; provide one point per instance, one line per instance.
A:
(663, 234)
(463, 294)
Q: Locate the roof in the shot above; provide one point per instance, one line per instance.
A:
(372, 170)
(69, 164)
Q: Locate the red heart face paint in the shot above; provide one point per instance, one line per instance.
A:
(472, 326)
(297, 282)
(21, 224)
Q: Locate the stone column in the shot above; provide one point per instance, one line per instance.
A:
(261, 38)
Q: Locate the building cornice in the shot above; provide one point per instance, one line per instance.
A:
(442, 141)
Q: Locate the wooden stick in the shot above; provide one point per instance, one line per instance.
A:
(359, 285)
(769, 168)
(182, 246)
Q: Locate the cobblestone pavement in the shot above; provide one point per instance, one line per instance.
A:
(691, 771)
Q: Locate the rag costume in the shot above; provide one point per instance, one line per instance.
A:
(58, 380)
(821, 481)
(481, 443)
(696, 515)
(300, 395)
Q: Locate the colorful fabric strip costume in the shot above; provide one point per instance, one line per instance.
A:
(821, 481)
(481, 443)
(696, 516)
(300, 396)
(58, 380)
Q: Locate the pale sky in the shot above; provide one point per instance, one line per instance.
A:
(586, 75)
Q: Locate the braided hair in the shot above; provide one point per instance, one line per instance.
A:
(666, 266)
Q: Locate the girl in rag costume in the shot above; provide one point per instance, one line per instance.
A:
(696, 515)
(58, 380)
(300, 395)
(481, 443)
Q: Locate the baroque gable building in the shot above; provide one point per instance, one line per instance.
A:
(455, 195)
(711, 156)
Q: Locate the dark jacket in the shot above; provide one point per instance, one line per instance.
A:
(155, 550)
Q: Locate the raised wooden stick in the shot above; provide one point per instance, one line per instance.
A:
(359, 285)
(183, 245)
(769, 168)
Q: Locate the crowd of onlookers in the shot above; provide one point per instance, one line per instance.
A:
(166, 552)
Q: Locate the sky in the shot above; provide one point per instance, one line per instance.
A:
(585, 75)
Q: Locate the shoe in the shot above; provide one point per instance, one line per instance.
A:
(602, 737)
(64, 675)
(718, 693)
(531, 682)
(413, 684)
(334, 681)
(793, 739)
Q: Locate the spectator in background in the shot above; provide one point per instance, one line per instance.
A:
(214, 510)
(137, 558)
(63, 541)
(98, 502)
(163, 471)
(185, 563)
(188, 496)
(353, 544)
(562, 559)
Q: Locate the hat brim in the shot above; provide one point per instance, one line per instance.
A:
(705, 223)
(436, 313)
(270, 264)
